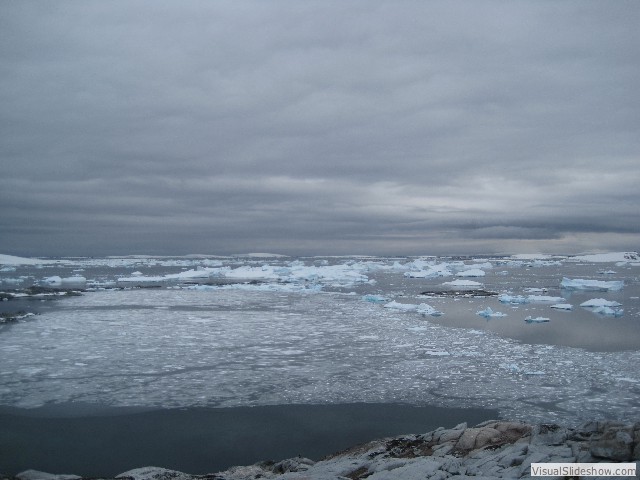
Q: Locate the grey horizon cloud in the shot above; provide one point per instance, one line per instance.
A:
(318, 127)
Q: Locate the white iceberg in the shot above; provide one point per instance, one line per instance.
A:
(609, 308)
(489, 313)
(596, 285)
(426, 309)
(530, 319)
(608, 311)
(405, 307)
(600, 302)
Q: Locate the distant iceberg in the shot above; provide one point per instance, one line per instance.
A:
(595, 285)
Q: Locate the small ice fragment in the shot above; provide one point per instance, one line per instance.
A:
(473, 272)
(426, 309)
(562, 306)
(530, 319)
(406, 307)
(463, 283)
(608, 311)
(505, 298)
(489, 313)
(374, 298)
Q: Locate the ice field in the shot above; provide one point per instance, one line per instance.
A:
(270, 331)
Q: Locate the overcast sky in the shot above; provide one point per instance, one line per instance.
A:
(319, 127)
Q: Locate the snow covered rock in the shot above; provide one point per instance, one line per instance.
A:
(492, 449)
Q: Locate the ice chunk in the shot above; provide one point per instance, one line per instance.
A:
(597, 285)
(406, 307)
(426, 309)
(374, 298)
(608, 311)
(600, 302)
(472, 272)
(423, 308)
(489, 313)
(604, 307)
(505, 298)
(562, 306)
(530, 319)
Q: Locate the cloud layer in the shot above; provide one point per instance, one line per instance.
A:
(319, 127)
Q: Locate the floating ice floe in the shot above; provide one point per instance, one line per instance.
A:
(375, 298)
(520, 299)
(562, 306)
(530, 319)
(609, 308)
(543, 298)
(489, 313)
(423, 308)
(595, 285)
(516, 299)
(463, 283)
(600, 302)
(473, 272)
(608, 311)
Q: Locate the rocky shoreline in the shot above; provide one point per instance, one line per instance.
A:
(492, 449)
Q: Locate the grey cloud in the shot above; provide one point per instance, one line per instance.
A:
(206, 126)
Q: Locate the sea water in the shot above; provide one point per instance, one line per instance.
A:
(202, 333)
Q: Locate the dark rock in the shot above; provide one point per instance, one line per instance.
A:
(616, 443)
